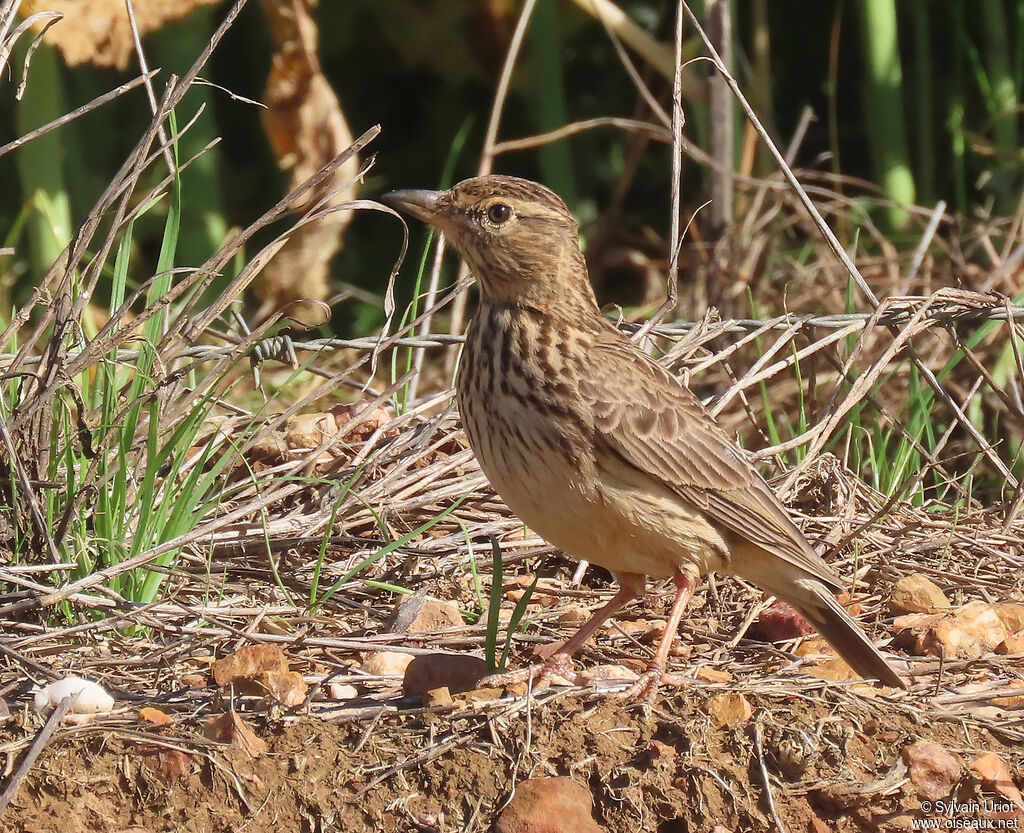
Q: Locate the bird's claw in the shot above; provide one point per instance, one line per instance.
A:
(539, 676)
(646, 688)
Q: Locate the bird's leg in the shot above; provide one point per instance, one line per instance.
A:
(631, 586)
(646, 687)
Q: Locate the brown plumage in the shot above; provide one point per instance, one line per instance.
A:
(597, 447)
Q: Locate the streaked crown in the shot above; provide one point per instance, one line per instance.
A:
(517, 236)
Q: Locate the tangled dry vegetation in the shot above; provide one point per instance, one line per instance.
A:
(349, 485)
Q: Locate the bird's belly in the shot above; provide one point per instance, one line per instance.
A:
(576, 507)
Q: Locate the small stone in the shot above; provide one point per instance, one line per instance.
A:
(658, 754)
(247, 662)
(680, 649)
(342, 691)
(269, 445)
(729, 710)
(916, 593)
(934, 771)
(573, 615)
(418, 614)
(154, 717)
(482, 695)
(376, 419)
(168, 764)
(1011, 645)
(549, 805)
(387, 663)
(642, 630)
(995, 777)
(437, 697)
(599, 673)
(853, 608)
(967, 633)
(813, 645)
(713, 675)
(456, 672)
(541, 594)
(833, 669)
(309, 430)
(286, 687)
(781, 621)
(1012, 617)
(631, 627)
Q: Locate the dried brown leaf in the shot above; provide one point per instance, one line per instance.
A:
(230, 728)
(98, 32)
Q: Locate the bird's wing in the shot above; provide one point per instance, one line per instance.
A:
(655, 424)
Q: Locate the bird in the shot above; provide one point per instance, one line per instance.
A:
(599, 448)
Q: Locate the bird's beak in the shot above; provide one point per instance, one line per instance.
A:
(420, 204)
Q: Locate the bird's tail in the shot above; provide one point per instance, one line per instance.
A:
(819, 607)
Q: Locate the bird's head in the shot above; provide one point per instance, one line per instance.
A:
(518, 237)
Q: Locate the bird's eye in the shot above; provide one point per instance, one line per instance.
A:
(499, 213)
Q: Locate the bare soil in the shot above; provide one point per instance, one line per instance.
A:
(831, 756)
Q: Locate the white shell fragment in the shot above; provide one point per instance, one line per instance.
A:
(87, 697)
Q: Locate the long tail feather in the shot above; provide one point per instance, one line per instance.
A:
(823, 611)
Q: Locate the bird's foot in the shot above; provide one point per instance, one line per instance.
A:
(539, 676)
(645, 689)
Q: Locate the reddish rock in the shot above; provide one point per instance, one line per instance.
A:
(1011, 645)
(995, 777)
(269, 445)
(1012, 617)
(549, 805)
(916, 593)
(934, 771)
(647, 631)
(589, 676)
(342, 691)
(418, 614)
(437, 697)
(573, 615)
(247, 662)
(154, 717)
(833, 669)
(968, 632)
(708, 674)
(781, 621)
(729, 710)
(456, 672)
(168, 764)
(376, 419)
(308, 430)
(658, 754)
(386, 663)
(261, 669)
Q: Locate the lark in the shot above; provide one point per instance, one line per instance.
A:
(597, 447)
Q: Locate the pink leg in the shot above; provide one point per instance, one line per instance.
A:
(558, 663)
(646, 687)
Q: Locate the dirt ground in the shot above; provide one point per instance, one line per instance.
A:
(812, 758)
